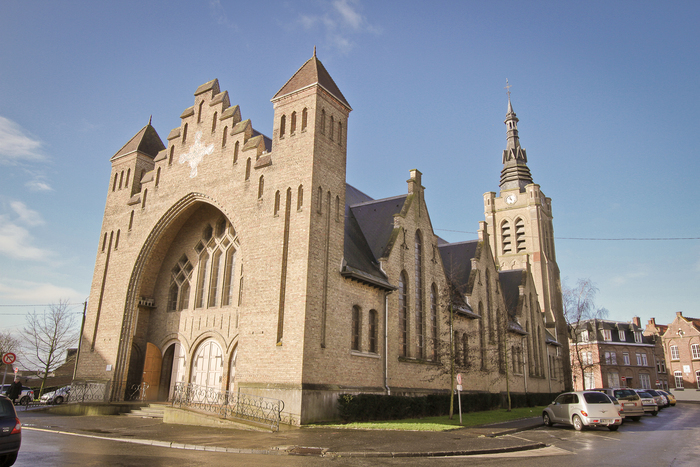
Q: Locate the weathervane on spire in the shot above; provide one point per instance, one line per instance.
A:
(507, 88)
(314, 50)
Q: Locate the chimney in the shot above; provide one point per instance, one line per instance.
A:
(637, 321)
(652, 322)
(679, 314)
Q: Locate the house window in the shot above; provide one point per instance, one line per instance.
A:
(695, 350)
(674, 353)
(660, 366)
(584, 335)
(678, 376)
(639, 359)
(644, 360)
(621, 333)
(613, 379)
(607, 335)
(356, 328)
(644, 381)
(610, 358)
(638, 337)
(373, 331)
(588, 380)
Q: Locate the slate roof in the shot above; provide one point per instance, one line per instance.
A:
(510, 288)
(312, 72)
(368, 227)
(596, 326)
(457, 261)
(146, 141)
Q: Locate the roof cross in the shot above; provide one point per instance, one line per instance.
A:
(507, 87)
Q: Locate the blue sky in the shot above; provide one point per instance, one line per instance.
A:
(606, 93)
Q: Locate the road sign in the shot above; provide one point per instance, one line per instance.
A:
(16, 369)
(9, 358)
(459, 378)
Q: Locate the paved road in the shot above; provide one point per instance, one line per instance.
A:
(671, 439)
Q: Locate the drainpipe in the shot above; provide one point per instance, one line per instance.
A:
(386, 343)
(526, 364)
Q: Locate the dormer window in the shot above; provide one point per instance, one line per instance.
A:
(584, 335)
(638, 337)
(622, 335)
(607, 335)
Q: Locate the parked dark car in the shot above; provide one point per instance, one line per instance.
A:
(10, 432)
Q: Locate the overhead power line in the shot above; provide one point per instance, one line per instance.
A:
(597, 238)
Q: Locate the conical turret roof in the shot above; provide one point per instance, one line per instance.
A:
(146, 141)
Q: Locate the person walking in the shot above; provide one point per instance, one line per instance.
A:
(15, 390)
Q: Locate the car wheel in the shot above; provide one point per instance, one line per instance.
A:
(58, 400)
(24, 400)
(613, 427)
(636, 419)
(578, 423)
(8, 460)
(547, 421)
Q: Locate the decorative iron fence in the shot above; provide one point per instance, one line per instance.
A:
(226, 404)
(88, 392)
(137, 392)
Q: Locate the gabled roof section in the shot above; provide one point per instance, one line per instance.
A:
(375, 219)
(360, 263)
(457, 261)
(510, 287)
(312, 72)
(145, 141)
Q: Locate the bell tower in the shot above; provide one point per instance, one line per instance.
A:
(520, 222)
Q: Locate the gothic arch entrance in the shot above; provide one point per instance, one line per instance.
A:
(172, 371)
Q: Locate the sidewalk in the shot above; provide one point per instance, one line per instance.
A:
(296, 441)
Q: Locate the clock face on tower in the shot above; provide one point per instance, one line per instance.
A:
(511, 199)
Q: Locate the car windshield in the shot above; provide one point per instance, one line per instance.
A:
(626, 395)
(645, 394)
(596, 398)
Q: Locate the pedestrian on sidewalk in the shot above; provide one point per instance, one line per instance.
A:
(15, 390)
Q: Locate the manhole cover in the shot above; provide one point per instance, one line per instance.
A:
(306, 451)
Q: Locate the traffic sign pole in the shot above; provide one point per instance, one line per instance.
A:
(7, 359)
(459, 395)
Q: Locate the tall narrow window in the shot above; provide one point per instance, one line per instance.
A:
(199, 114)
(235, 152)
(320, 200)
(172, 297)
(457, 349)
(340, 133)
(418, 307)
(277, 203)
(337, 208)
(304, 118)
(202, 281)
(489, 308)
(678, 376)
(674, 353)
(373, 331)
(300, 197)
(184, 134)
(184, 296)
(330, 128)
(261, 186)
(224, 137)
(213, 122)
(131, 220)
(482, 337)
(172, 153)
(505, 238)
(356, 328)
(283, 123)
(143, 202)
(465, 350)
(323, 121)
(520, 235)
(228, 276)
(403, 315)
(214, 280)
(104, 242)
(128, 174)
(433, 322)
(121, 179)
(116, 179)
(157, 177)
(247, 169)
(293, 124)
(116, 240)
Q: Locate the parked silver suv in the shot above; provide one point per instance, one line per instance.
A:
(581, 409)
(629, 400)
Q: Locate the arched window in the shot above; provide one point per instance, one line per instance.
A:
(208, 365)
(131, 220)
(157, 177)
(373, 331)
(202, 279)
(340, 133)
(520, 235)
(199, 114)
(184, 134)
(116, 178)
(128, 174)
(293, 124)
(330, 128)
(283, 123)
(277, 202)
(121, 179)
(482, 336)
(323, 121)
(143, 202)
(418, 307)
(261, 186)
(179, 297)
(337, 208)
(224, 137)
(304, 118)
(247, 169)
(216, 267)
(235, 153)
(300, 197)
(489, 308)
(213, 122)
(465, 350)
(506, 238)
(116, 240)
(356, 327)
(403, 314)
(433, 322)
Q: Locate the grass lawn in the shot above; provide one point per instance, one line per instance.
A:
(443, 423)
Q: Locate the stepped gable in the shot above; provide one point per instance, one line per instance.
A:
(146, 141)
(312, 72)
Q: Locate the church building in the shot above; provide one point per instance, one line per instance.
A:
(235, 261)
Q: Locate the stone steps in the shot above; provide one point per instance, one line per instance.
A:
(151, 411)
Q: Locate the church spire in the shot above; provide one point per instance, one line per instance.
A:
(515, 173)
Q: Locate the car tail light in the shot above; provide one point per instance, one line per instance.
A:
(583, 412)
(17, 428)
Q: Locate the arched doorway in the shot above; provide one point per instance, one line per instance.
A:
(151, 371)
(172, 371)
(208, 365)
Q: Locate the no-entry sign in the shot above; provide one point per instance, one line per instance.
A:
(9, 358)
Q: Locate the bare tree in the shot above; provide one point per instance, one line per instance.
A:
(47, 338)
(579, 307)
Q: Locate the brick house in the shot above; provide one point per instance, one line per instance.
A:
(608, 354)
(655, 332)
(235, 261)
(681, 342)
